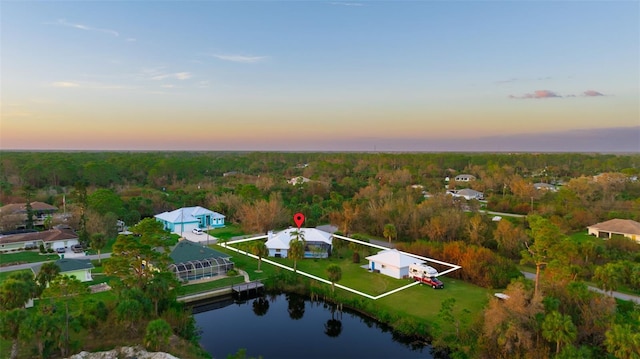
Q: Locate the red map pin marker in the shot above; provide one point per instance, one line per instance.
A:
(299, 219)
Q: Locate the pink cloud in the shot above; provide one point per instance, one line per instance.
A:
(538, 94)
(590, 93)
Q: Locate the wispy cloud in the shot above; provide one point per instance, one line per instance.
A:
(240, 58)
(591, 93)
(176, 76)
(65, 84)
(538, 94)
(87, 85)
(64, 22)
(130, 39)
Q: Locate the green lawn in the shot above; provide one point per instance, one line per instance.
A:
(214, 284)
(421, 303)
(581, 237)
(25, 257)
(5, 275)
(227, 232)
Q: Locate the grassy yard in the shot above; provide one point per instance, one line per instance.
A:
(214, 284)
(419, 302)
(227, 232)
(26, 257)
(5, 275)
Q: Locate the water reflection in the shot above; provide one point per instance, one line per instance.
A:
(295, 306)
(260, 306)
(281, 326)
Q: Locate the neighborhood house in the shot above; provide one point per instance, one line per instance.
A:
(54, 239)
(623, 227)
(391, 262)
(40, 211)
(78, 268)
(189, 218)
(317, 243)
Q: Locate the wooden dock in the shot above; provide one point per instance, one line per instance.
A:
(247, 288)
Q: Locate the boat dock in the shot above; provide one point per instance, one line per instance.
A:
(240, 290)
(246, 289)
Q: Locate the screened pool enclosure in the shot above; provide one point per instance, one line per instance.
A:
(203, 268)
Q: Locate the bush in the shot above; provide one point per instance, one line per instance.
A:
(157, 335)
(232, 272)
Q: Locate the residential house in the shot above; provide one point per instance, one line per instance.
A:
(40, 211)
(467, 193)
(465, 178)
(78, 268)
(391, 262)
(545, 187)
(51, 239)
(195, 261)
(624, 227)
(189, 218)
(295, 181)
(317, 243)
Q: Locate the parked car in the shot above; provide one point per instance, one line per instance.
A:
(197, 231)
(61, 250)
(77, 248)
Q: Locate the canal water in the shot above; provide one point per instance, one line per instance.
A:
(290, 326)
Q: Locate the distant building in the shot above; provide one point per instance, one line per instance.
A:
(40, 211)
(78, 268)
(624, 227)
(465, 178)
(545, 187)
(298, 180)
(466, 193)
(53, 239)
(189, 218)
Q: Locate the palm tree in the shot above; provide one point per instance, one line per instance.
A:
(296, 252)
(389, 232)
(48, 271)
(259, 249)
(296, 247)
(334, 272)
(98, 241)
(623, 341)
(559, 328)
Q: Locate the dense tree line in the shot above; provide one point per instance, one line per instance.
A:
(395, 197)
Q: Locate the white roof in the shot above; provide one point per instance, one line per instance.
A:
(468, 192)
(281, 239)
(187, 214)
(393, 258)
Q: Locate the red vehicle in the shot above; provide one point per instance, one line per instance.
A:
(425, 274)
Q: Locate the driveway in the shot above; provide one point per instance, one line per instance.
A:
(622, 296)
(204, 237)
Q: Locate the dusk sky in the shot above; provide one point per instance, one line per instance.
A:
(320, 75)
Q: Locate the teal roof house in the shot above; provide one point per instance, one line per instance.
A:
(79, 268)
(187, 219)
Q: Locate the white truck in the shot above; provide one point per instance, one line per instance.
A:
(423, 273)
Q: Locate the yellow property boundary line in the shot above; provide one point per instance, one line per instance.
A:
(309, 275)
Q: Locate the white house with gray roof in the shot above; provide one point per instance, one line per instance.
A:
(189, 218)
(391, 262)
(317, 243)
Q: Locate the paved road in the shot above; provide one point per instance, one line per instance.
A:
(623, 296)
(29, 265)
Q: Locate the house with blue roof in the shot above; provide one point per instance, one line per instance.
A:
(187, 219)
